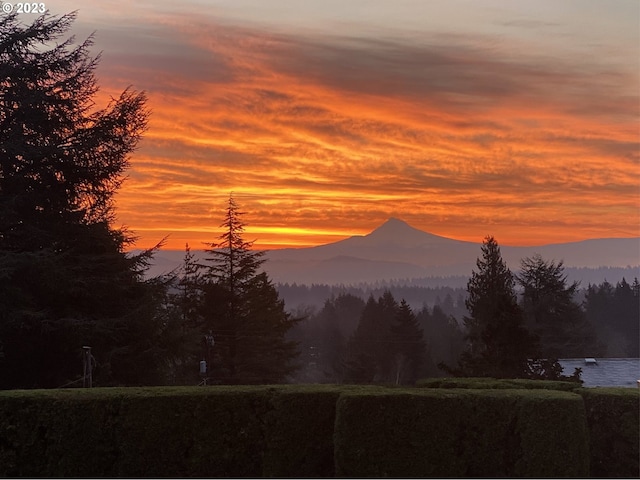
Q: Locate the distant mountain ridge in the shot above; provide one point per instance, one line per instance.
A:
(396, 250)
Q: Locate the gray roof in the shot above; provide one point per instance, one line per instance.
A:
(605, 372)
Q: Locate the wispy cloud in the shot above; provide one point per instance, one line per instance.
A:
(455, 133)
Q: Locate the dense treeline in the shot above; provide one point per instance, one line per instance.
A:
(380, 340)
(503, 325)
(450, 299)
(433, 290)
(614, 312)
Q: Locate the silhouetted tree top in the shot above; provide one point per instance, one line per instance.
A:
(551, 312)
(232, 262)
(61, 159)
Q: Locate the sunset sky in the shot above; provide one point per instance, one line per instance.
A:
(519, 119)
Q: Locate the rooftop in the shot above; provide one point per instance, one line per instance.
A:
(605, 372)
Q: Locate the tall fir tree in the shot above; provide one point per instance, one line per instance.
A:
(499, 344)
(409, 347)
(65, 279)
(243, 311)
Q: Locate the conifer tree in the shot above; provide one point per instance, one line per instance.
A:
(551, 313)
(184, 321)
(368, 350)
(444, 338)
(614, 311)
(65, 279)
(409, 348)
(499, 344)
(190, 284)
(243, 311)
(326, 334)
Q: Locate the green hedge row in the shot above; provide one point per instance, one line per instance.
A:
(168, 432)
(312, 431)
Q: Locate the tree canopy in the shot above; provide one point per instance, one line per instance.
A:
(552, 314)
(61, 160)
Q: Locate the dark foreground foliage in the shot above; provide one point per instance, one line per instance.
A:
(65, 279)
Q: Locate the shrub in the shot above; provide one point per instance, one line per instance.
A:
(56, 433)
(193, 432)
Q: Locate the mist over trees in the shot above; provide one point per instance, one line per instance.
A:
(380, 341)
(514, 326)
(614, 312)
(450, 299)
(387, 345)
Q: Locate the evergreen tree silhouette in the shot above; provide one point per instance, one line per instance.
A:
(65, 278)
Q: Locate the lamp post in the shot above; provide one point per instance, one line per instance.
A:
(87, 379)
(207, 347)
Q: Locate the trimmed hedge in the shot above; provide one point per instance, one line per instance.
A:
(317, 431)
(132, 432)
(613, 417)
(500, 383)
(461, 433)
(198, 434)
(169, 432)
(299, 432)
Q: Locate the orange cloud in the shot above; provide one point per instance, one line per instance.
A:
(325, 137)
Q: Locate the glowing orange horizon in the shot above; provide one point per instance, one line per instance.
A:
(264, 238)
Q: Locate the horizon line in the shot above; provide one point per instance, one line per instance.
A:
(272, 246)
